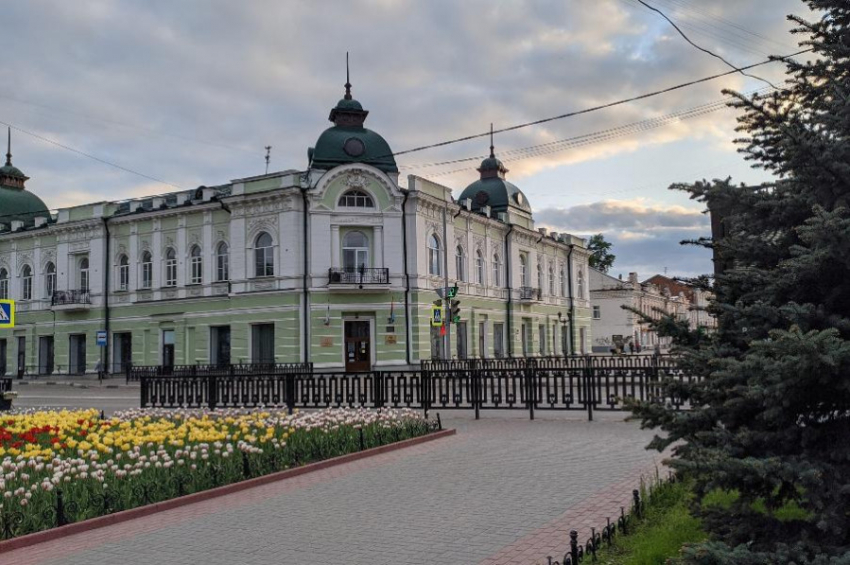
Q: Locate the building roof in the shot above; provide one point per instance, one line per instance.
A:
(492, 189)
(16, 203)
(348, 141)
(673, 286)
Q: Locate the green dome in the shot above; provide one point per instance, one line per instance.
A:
(343, 145)
(10, 170)
(18, 204)
(497, 193)
(348, 104)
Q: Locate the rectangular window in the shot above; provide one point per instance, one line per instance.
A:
(4, 288)
(482, 339)
(122, 351)
(461, 340)
(499, 340)
(197, 270)
(147, 275)
(168, 340)
(124, 277)
(220, 345)
(541, 329)
(27, 287)
(597, 313)
(50, 284)
(526, 330)
(77, 354)
(223, 267)
(171, 272)
(262, 343)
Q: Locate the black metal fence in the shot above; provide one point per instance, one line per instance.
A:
(135, 373)
(5, 384)
(581, 383)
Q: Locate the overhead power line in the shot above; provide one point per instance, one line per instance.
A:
(596, 108)
(89, 156)
(592, 137)
(703, 49)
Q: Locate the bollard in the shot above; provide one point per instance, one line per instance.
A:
(439, 422)
(623, 521)
(60, 509)
(574, 546)
(593, 543)
(638, 509)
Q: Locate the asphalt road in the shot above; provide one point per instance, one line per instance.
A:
(102, 397)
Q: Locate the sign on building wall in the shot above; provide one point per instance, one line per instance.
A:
(100, 338)
(326, 341)
(7, 313)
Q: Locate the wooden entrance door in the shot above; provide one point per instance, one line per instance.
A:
(358, 355)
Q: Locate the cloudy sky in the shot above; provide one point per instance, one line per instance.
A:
(190, 92)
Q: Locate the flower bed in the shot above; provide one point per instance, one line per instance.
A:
(63, 467)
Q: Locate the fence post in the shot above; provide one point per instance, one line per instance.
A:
(289, 390)
(530, 374)
(475, 378)
(589, 391)
(574, 546)
(378, 393)
(425, 392)
(212, 391)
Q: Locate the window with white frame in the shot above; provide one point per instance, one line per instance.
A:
(435, 262)
(355, 251)
(479, 267)
(222, 262)
(170, 267)
(4, 284)
(562, 281)
(196, 263)
(26, 276)
(460, 263)
(497, 270)
(263, 255)
(49, 279)
(356, 199)
(147, 270)
(580, 284)
(84, 274)
(552, 280)
(523, 270)
(123, 273)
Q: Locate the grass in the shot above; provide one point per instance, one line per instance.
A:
(666, 526)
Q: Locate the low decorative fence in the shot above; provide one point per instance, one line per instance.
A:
(135, 373)
(548, 386)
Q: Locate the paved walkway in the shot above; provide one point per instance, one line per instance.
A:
(504, 490)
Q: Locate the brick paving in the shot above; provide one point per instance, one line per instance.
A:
(505, 490)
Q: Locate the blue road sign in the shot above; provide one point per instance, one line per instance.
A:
(7, 313)
(101, 338)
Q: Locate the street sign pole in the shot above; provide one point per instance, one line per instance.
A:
(446, 300)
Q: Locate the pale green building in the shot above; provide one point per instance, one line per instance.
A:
(335, 264)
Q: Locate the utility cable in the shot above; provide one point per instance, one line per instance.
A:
(88, 155)
(595, 108)
(703, 49)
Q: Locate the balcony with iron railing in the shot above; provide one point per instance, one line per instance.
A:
(529, 293)
(358, 276)
(71, 299)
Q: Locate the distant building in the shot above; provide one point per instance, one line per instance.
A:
(614, 325)
(335, 264)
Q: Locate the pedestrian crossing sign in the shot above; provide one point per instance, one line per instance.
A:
(7, 313)
(436, 316)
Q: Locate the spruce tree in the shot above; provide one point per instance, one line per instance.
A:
(770, 422)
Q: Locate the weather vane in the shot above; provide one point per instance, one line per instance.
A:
(268, 157)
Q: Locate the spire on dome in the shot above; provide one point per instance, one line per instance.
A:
(347, 80)
(9, 146)
(11, 176)
(491, 167)
(492, 155)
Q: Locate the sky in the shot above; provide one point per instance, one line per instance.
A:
(189, 93)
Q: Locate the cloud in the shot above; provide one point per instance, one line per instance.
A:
(645, 236)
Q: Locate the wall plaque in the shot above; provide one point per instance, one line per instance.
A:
(327, 341)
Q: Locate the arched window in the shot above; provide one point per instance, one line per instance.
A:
(4, 284)
(196, 264)
(170, 267)
(84, 274)
(49, 280)
(222, 262)
(580, 285)
(355, 251)
(435, 260)
(479, 267)
(123, 273)
(460, 264)
(523, 270)
(356, 199)
(263, 256)
(551, 280)
(147, 270)
(497, 270)
(26, 275)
